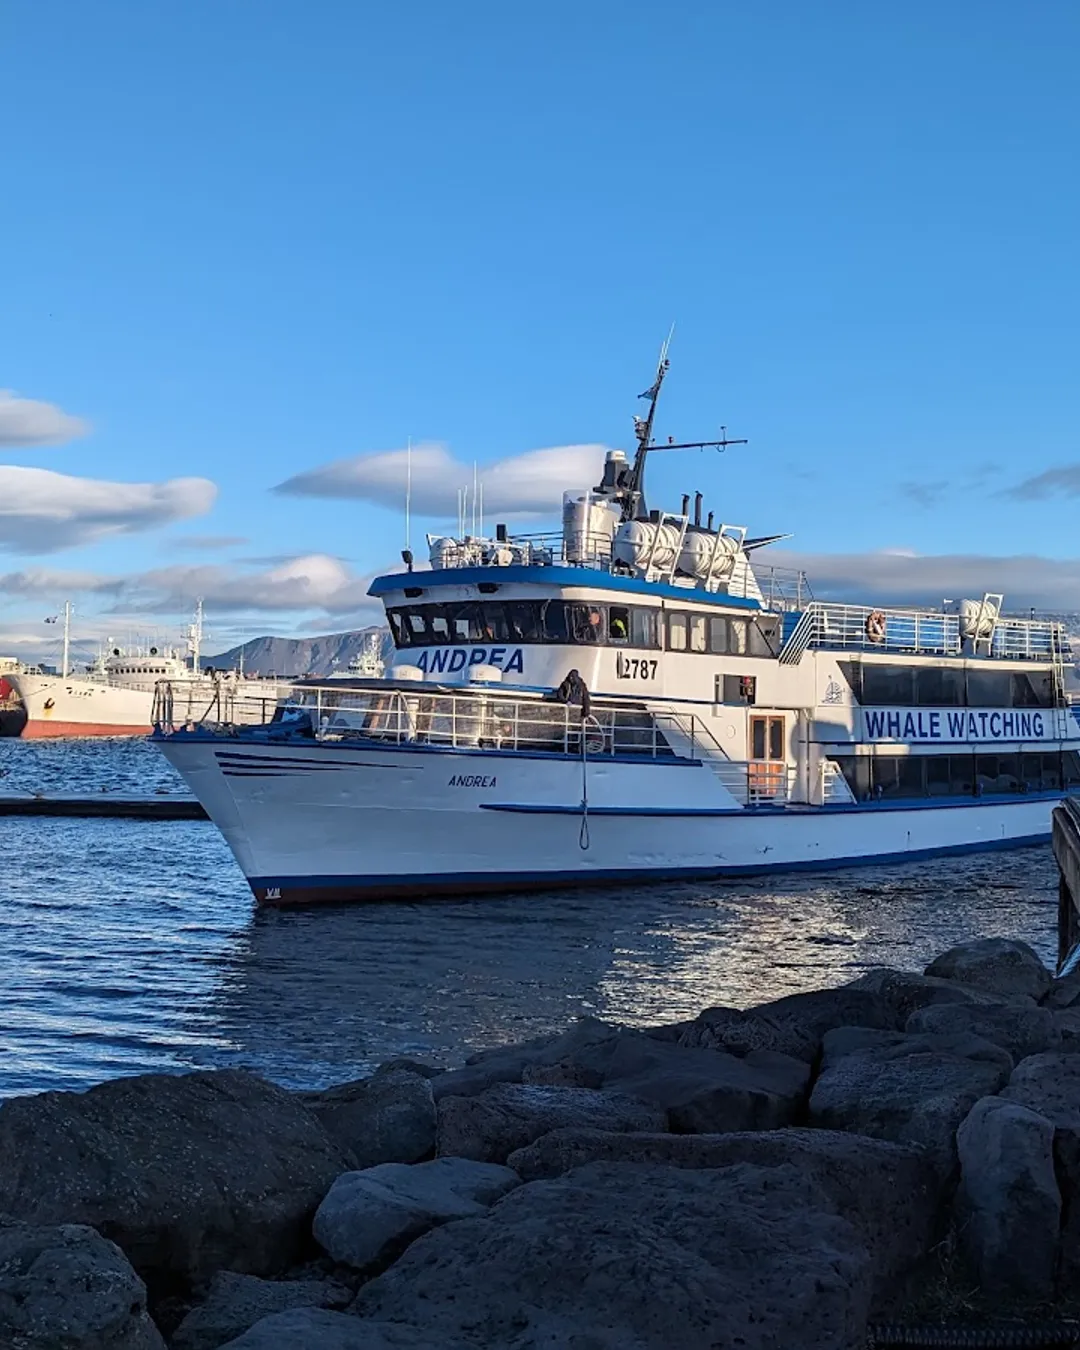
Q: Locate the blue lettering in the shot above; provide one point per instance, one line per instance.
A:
(875, 724)
(909, 728)
(1025, 724)
(439, 660)
(995, 730)
(421, 662)
(457, 659)
(515, 662)
(497, 654)
(478, 656)
(982, 721)
(1037, 724)
(956, 726)
(922, 729)
(1008, 724)
(935, 725)
(892, 724)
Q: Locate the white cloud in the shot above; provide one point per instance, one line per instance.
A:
(34, 582)
(315, 581)
(895, 576)
(526, 484)
(28, 421)
(199, 543)
(42, 511)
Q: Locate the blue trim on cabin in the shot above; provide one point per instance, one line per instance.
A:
(767, 808)
(554, 578)
(338, 888)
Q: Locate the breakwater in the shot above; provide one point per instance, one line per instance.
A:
(893, 1161)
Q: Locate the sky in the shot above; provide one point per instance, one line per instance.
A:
(253, 250)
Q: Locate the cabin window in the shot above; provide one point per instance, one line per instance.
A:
(765, 637)
(872, 777)
(938, 687)
(644, 627)
(989, 688)
(718, 634)
(1033, 689)
(586, 623)
(1070, 769)
(526, 622)
(698, 631)
(440, 626)
(619, 624)
(553, 621)
(890, 686)
(677, 636)
(997, 773)
(738, 643)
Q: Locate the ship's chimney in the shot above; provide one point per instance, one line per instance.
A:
(685, 502)
(709, 525)
(697, 508)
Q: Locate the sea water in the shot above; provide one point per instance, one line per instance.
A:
(135, 946)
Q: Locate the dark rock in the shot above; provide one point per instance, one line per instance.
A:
(368, 1217)
(235, 1302)
(490, 1126)
(1049, 1084)
(905, 992)
(1021, 1028)
(507, 1063)
(910, 1089)
(1000, 966)
(188, 1173)
(614, 1257)
(317, 1329)
(420, 1066)
(1008, 1207)
(888, 1192)
(793, 1025)
(389, 1117)
(68, 1288)
(703, 1091)
(1063, 992)
(1067, 1026)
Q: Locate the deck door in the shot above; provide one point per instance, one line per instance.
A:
(768, 758)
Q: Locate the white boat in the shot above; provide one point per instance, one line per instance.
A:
(635, 699)
(116, 695)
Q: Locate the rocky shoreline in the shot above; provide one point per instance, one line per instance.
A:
(826, 1172)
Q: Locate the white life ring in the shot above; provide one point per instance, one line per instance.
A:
(875, 626)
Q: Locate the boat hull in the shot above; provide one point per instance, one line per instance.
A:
(326, 824)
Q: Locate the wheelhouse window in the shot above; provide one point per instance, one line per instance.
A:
(619, 625)
(677, 632)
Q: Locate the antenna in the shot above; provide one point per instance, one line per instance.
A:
(66, 662)
(195, 634)
(633, 499)
(474, 486)
(408, 496)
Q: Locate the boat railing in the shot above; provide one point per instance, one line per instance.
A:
(783, 588)
(870, 628)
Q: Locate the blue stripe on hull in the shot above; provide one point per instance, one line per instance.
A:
(337, 890)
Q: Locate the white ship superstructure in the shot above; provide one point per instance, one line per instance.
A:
(116, 695)
(634, 699)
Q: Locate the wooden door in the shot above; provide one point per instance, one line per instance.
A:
(768, 758)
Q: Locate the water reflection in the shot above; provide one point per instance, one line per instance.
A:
(132, 945)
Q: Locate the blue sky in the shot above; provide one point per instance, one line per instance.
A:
(245, 241)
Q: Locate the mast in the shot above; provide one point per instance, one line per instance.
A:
(633, 493)
(195, 633)
(65, 662)
(634, 501)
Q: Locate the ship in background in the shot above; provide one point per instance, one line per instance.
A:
(115, 695)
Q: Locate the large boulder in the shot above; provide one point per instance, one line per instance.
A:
(235, 1302)
(1022, 1028)
(369, 1217)
(614, 1256)
(389, 1117)
(999, 966)
(905, 992)
(888, 1192)
(492, 1125)
(1008, 1206)
(317, 1329)
(508, 1063)
(910, 1089)
(1064, 992)
(1049, 1085)
(187, 1173)
(793, 1025)
(703, 1091)
(68, 1288)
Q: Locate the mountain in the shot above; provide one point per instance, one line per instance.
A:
(298, 656)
